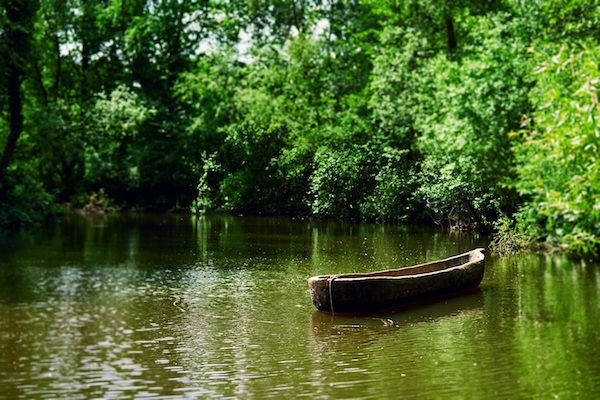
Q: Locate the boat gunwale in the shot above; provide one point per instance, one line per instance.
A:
(480, 252)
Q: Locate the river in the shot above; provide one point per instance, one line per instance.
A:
(174, 306)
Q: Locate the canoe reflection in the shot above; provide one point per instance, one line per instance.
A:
(326, 324)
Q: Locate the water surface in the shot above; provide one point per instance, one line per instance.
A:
(176, 306)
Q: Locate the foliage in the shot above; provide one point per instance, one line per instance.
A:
(23, 200)
(393, 195)
(113, 125)
(337, 183)
(363, 109)
(368, 179)
(506, 239)
(395, 83)
(559, 156)
(96, 203)
(467, 108)
(203, 201)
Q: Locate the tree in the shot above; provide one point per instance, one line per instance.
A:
(559, 155)
(16, 34)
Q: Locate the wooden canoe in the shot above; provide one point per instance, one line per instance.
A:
(391, 288)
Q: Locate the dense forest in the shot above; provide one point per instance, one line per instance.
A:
(476, 115)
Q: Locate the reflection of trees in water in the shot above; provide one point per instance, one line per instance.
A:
(546, 309)
(344, 246)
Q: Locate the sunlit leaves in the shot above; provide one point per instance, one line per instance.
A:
(559, 161)
(466, 109)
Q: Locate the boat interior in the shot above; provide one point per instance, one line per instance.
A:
(474, 255)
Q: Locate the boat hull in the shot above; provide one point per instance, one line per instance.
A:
(361, 292)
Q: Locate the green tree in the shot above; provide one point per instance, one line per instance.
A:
(559, 156)
(467, 107)
(16, 31)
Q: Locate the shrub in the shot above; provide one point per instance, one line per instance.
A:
(559, 153)
(23, 200)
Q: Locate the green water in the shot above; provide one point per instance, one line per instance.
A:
(174, 306)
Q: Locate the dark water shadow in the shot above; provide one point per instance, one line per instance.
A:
(326, 324)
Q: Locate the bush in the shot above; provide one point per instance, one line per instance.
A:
(559, 153)
(110, 160)
(23, 200)
(372, 180)
(393, 196)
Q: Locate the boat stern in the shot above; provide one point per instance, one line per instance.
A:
(319, 293)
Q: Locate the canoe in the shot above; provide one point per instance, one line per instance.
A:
(391, 288)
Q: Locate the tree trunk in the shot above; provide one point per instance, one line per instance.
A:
(478, 222)
(15, 116)
(40, 83)
(85, 66)
(18, 16)
(451, 36)
(56, 86)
